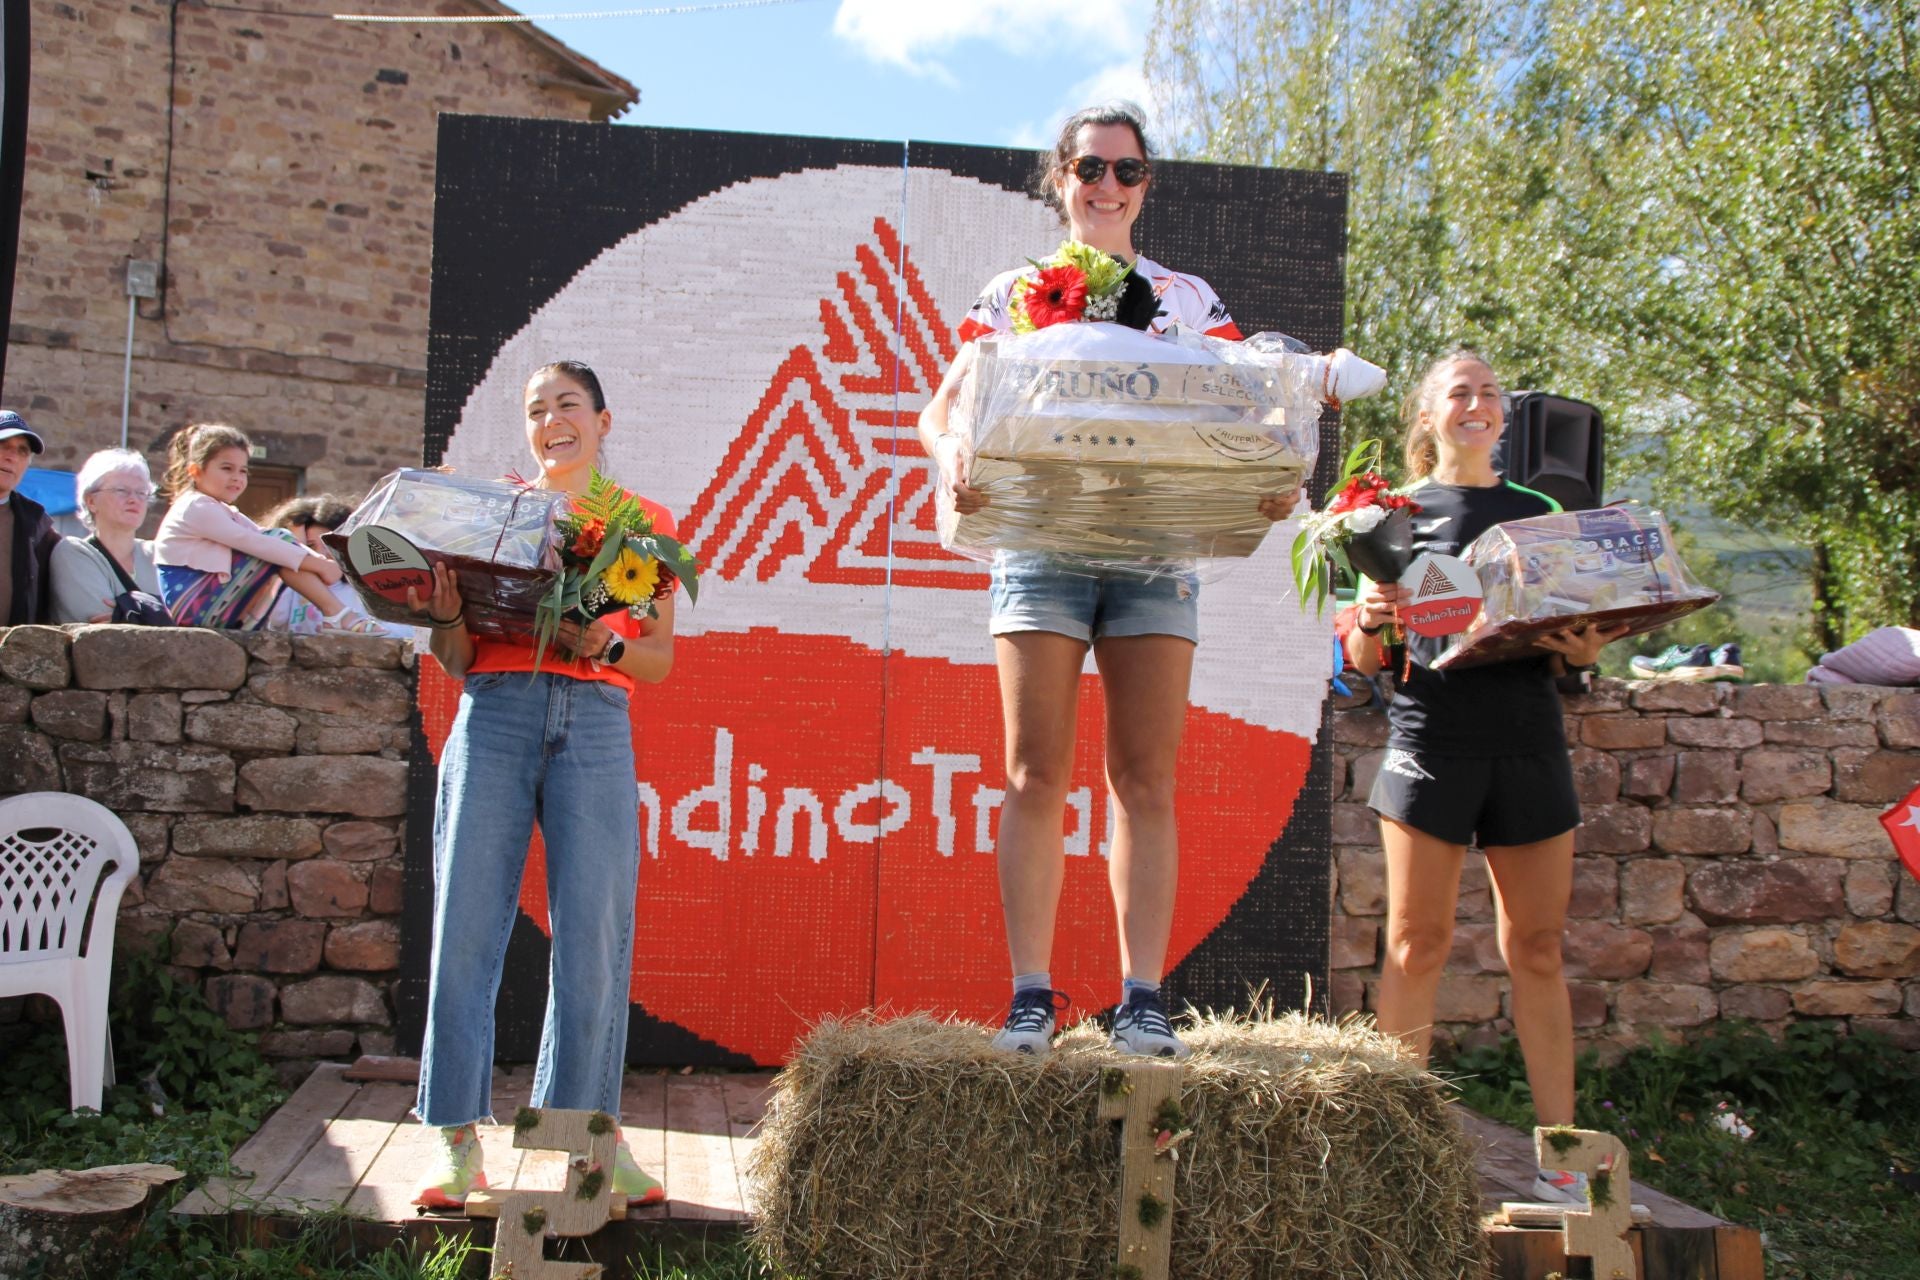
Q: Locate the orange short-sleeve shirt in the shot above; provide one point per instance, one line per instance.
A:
(490, 654)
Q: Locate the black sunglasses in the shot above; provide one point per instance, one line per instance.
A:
(1128, 172)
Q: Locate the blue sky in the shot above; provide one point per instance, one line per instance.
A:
(993, 72)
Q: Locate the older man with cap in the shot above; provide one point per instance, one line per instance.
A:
(27, 536)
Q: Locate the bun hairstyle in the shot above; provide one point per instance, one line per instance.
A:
(322, 509)
(1066, 148)
(193, 446)
(579, 373)
(1423, 448)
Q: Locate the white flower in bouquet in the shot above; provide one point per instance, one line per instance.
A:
(1365, 519)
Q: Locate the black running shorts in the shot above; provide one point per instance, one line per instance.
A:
(1497, 800)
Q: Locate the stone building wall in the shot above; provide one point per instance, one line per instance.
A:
(1732, 865)
(264, 778)
(282, 167)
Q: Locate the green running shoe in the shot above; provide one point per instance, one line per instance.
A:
(457, 1168)
(633, 1182)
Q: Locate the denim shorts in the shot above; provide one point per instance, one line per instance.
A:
(1035, 591)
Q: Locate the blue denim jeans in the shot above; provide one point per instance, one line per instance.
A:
(1036, 591)
(559, 751)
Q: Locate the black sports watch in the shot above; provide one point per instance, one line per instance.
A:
(611, 654)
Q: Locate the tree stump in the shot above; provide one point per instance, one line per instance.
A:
(75, 1223)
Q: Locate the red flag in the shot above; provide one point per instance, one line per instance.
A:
(1903, 828)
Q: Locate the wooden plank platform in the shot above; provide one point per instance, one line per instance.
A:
(345, 1145)
(1676, 1242)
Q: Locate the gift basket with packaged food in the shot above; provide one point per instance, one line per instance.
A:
(1570, 569)
(525, 557)
(501, 540)
(1098, 440)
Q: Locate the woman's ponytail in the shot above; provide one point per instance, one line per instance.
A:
(1422, 452)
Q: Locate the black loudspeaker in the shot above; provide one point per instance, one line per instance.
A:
(1555, 446)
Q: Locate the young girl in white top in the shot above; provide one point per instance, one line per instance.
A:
(217, 567)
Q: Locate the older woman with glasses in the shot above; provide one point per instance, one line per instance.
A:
(115, 491)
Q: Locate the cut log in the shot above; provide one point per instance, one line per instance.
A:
(75, 1223)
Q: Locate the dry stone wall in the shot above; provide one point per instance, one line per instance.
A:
(1732, 865)
(264, 778)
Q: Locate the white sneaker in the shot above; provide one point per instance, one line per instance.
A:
(1557, 1186)
(1140, 1027)
(349, 622)
(1030, 1022)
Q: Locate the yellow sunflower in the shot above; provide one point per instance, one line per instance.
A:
(632, 578)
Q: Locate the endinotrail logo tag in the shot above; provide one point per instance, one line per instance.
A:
(1434, 583)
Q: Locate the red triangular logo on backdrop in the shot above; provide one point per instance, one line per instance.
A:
(827, 470)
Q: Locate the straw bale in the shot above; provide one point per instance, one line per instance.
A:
(910, 1148)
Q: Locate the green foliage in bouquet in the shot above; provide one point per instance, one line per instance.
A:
(610, 559)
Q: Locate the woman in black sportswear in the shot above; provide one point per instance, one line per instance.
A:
(1477, 756)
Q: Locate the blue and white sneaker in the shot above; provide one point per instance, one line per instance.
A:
(1726, 663)
(1031, 1022)
(1680, 662)
(1140, 1027)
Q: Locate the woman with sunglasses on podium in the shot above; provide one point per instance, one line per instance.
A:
(1047, 612)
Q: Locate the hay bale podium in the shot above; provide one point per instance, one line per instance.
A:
(1290, 1147)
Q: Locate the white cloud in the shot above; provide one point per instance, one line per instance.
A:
(1118, 81)
(913, 33)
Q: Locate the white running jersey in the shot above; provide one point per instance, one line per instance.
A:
(1185, 300)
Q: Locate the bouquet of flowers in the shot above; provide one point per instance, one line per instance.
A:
(1366, 529)
(610, 559)
(1080, 282)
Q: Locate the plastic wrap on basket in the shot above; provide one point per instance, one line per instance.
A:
(499, 537)
(1101, 443)
(1547, 573)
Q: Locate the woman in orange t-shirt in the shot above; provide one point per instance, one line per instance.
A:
(554, 748)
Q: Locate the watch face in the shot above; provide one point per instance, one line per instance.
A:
(615, 650)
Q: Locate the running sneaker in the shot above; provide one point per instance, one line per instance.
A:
(1031, 1021)
(456, 1168)
(1726, 661)
(1681, 662)
(1140, 1027)
(633, 1182)
(1557, 1186)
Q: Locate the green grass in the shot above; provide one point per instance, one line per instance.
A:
(1833, 1117)
(733, 1259)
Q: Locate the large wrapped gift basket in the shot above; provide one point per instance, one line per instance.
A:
(1100, 441)
(1548, 573)
(499, 537)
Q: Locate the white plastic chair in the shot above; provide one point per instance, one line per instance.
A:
(61, 857)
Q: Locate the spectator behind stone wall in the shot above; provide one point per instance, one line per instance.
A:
(310, 518)
(116, 491)
(27, 536)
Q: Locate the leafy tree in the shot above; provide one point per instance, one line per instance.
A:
(1383, 93)
(1718, 203)
(1701, 216)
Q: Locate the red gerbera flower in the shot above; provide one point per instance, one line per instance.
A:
(1057, 295)
(1357, 492)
